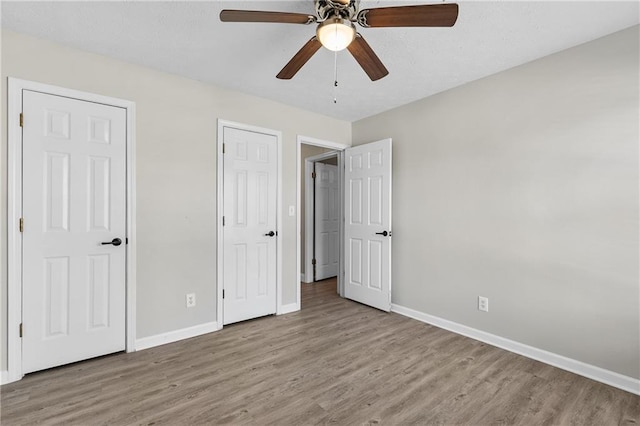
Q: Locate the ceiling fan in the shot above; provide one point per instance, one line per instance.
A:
(336, 30)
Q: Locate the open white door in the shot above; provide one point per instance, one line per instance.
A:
(327, 220)
(74, 208)
(250, 234)
(368, 224)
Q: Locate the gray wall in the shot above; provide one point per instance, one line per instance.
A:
(176, 172)
(523, 187)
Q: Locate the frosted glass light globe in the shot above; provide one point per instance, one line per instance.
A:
(336, 33)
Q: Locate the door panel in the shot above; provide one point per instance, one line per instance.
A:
(250, 202)
(74, 198)
(99, 193)
(99, 290)
(56, 284)
(367, 214)
(327, 220)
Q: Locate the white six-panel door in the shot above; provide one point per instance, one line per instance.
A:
(74, 199)
(249, 231)
(327, 220)
(368, 224)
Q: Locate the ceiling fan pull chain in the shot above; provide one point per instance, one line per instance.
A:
(335, 75)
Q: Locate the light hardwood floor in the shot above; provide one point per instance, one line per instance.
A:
(336, 361)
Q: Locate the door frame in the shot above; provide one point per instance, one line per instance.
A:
(309, 210)
(339, 147)
(280, 309)
(14, 213)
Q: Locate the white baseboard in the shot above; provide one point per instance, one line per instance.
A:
(608, 377)
(287, 309)
(174, 336)
(302, 276)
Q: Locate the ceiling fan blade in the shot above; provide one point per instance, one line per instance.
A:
(299, 59)
(428, 15)
(229, 15)
(366, 57)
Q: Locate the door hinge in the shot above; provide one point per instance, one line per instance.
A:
(313, 175)
(20, 329)
(223, 148)
(313, 261)
(223, 293)
(21, 225)
(21, 120)
(223, 221)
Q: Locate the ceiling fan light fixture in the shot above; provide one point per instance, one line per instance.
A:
(336, 33)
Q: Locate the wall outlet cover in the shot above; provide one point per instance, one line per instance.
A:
(483, 304)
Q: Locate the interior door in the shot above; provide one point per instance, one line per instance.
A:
(368, 224)
(326, 220)
(250, 234)
(74, 201)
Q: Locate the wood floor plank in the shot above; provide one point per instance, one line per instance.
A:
(333, 362)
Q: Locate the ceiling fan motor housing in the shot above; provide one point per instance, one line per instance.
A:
(345, 9)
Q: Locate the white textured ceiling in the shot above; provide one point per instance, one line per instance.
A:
(187, 38)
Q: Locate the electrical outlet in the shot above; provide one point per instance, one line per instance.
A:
(483, 304)
(191, 300)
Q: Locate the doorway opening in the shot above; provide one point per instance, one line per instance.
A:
(322, 212)
(319, 235)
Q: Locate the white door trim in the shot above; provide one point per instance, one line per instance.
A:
(220, 213)
(299, 179)
(309, 212)
(14, 212)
